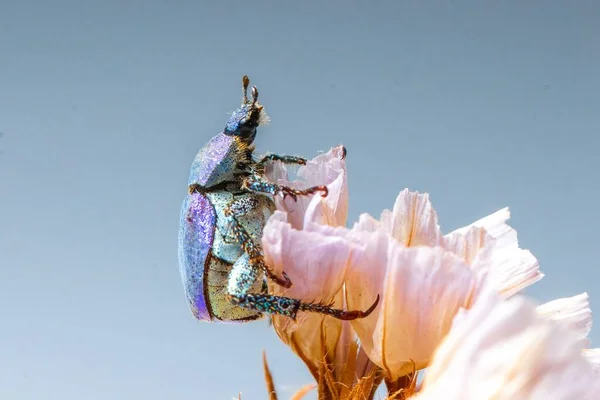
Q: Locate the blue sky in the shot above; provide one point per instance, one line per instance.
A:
(103, 106)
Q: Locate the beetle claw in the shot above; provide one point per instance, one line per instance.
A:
(324, 191)
(289, 192)
(283, 281)
(344, 152)
(288, 281)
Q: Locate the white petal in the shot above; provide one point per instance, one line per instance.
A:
(364, 278)
(423, 287)
(276, 172)
(574, 312)
(593, 357)
(468, 244)
(495, 225)
(313, 337)
(504, 350)
(367, 223)
(314, 261)
(326, 169)
(413, 220)
(511, 268)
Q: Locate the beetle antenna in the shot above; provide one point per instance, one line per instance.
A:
(245, 83)
(254, 95)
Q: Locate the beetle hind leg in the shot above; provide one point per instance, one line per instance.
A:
(244, 275)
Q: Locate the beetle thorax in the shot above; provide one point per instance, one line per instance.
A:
(217, 161)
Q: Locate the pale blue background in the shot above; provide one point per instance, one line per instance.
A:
(104, 104)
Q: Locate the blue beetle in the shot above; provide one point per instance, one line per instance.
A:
(222, 218)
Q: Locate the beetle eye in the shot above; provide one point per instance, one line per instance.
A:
(243, 123)
(247, 129)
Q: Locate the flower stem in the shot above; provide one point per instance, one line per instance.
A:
(269, 378)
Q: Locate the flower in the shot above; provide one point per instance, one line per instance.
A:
(487, 243)
(506, 350)
(422, 276)
(421, 289)
(297, 239)
(326, 169)
(425, 277)
(447, 301)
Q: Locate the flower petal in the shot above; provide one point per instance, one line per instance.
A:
(493, 244)
(511, 270)
(593, 357)
(366, 223)
(574, 312)
(315, 262)
(413, 221)
(468, 244)
(495, 225)
(312, 337)
(504, 350)
(326, 169)
(421, 289)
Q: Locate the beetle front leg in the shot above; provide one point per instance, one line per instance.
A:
(252, 249)
(244, 275)
(258, 184)
(283, 159)
(292, 159)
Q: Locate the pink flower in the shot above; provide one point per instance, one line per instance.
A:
(423, 277)
(314, 257)
(506, 350)
(421, 289)
(327, 169)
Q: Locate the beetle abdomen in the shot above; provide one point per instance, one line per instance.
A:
(216, 279)
(196, 235)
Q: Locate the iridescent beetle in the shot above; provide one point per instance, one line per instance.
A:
(222, 219)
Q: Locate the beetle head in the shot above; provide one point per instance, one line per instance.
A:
(244, 121)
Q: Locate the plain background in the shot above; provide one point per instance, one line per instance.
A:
(103, 106)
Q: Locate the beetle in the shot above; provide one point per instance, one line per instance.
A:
(228, 203)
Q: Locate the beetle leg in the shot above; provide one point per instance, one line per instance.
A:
(258, 184)
(292, 159)
(252, 249)
(283, 159)
(244, 274)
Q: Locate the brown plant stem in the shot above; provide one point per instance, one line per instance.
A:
(303, 391)
(402, 388)
(269, 378)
